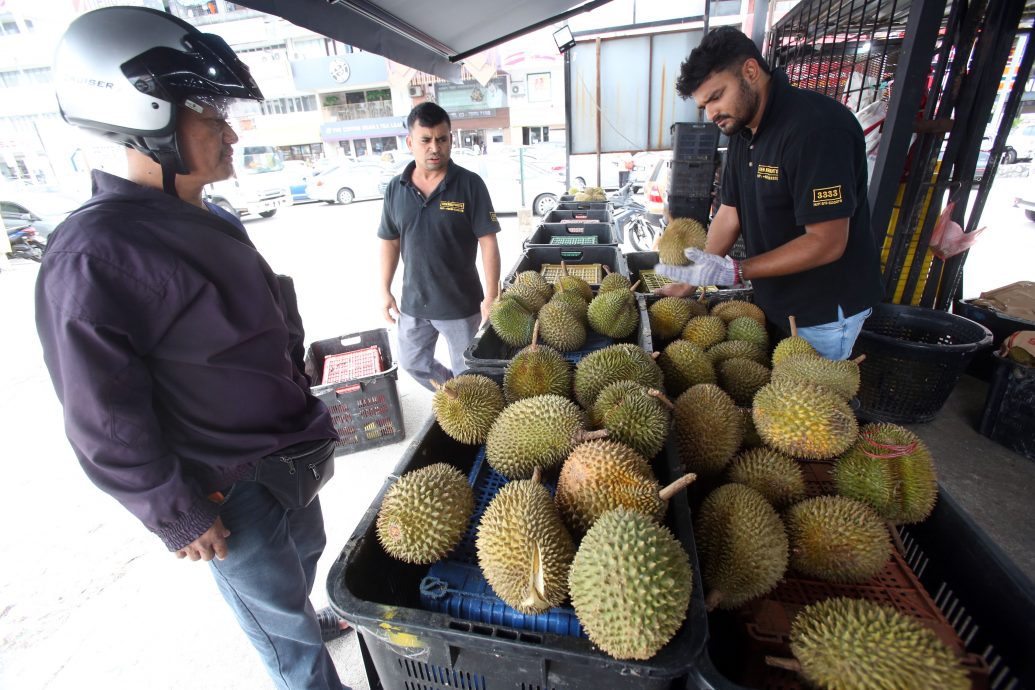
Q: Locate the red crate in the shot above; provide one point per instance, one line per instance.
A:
(349, 366)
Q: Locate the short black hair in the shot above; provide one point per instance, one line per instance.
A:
(722, 49)
(428, 114)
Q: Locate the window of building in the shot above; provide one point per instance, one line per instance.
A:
(283, 106)
(534, 135)
(26, 77)
(379, 95)
(308, 48)
(355, 97)
(382, 144)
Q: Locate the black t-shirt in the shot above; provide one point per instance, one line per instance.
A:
(439, 241)
(806, 163)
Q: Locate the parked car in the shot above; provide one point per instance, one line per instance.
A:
(655, 187)
(43, 210)
(1020, 144)
(346, 183)
(296, 177)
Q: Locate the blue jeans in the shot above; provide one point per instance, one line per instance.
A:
(836, 339)
(267, 577)
(417, 339)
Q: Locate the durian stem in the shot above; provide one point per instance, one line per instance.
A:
(607, 269)
(661, 397)
(677, 486)
(564, 269)
(794, 326)
(535, 337)
(713, 599)
(435, 384)
(537, 475)
(634, 286)
(860, 359)
(785, 664)
(583, 436)
(655, 355)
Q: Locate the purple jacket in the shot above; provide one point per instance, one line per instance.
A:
(175, 351)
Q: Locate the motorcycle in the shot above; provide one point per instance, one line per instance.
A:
(26, 243)
(631, 218)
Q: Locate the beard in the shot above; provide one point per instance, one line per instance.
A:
(744, 110)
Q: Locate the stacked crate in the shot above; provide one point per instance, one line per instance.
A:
(694, 147)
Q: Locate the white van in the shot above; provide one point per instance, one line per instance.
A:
(258, 186)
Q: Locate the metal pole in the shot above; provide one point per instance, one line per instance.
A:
(567, 118)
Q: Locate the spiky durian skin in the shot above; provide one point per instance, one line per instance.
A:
(804, 421)
(527, 295)
(524, 550)
(535, 372)
(560, 327)
(424, 513)
(602, 475)
(533, 432)
(614, 281)
(771, 473)
(614, 314)
(679, 235)
(837, 376)
(901, 486)
(705, 331)
(620, 362)
(669, 316)
(632, 416)
(572, 283)
(837, 539)
(709, 428)
(685, 364)
(742, 378)
(751, 437)
(573, 300)
(730, 349)
(537, 281)
(630, 584)
(853, 644)
(747, 329)
(742, 544)
(512, 322)
(733, 309)
(789, 347)
(467, 418)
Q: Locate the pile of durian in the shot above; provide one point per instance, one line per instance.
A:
(564, 311)
(744, 419)
(589, 194)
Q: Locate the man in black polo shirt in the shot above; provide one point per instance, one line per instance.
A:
(437, 216)
(795, 185)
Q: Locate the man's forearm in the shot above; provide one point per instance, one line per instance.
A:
(723, 231)
(821, 244)
(389, 262)
(491, 266)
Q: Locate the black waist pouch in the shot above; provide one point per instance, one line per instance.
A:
(294, 475)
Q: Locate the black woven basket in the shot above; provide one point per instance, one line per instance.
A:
(914, 357)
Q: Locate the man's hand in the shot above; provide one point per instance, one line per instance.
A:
(211, 543)
(704, 269)
(486, 306)
(675, 290)
(390, 310)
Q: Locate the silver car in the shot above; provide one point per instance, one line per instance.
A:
(343, 184)
(43, 210)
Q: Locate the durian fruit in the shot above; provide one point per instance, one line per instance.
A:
(536, 370)
(747, 329)
(573, 299)
(771, 473)
(735, 308)
(466, 406)
(709, 428)
(527, 295)
(890, 469)
(804, 421)
(512, 322)
(854, 644)
(424, 513)
(615, 314)
(568, 282)
(742, 545)
(668, 317)
(705, 331)
(535, 432)
(751, 437)
(685, 364)
(619, 362)
(591, 194)
(634, 415)
(837, 539)
(614, 281)
(560, 327)
(630, 584)
(794, 345)
(524, 550)
(535, 280)
(729, 349)
(837, 376)
(742, 378)
(680, 234)
(600, 476)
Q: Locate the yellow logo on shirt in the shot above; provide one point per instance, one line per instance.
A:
(492, 217)
(827, 196)
(457, 206)
(769, 172)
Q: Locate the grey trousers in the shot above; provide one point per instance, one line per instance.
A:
(417, 339)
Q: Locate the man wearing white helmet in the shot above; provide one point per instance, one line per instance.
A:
(173, 347)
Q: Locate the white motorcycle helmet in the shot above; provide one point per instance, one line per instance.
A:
(123, 71)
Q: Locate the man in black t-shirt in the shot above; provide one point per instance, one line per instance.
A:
(794, 186)
(436, 216)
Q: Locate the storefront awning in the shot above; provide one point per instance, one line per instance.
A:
(432, 41)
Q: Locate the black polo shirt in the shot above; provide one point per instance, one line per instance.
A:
(806, 163)
(439, 241)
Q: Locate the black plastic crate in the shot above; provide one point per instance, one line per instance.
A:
(576, 235)
(406, 647)
(694, 140)
(1009, 414)
(987, 599)
(533, 258)
(691, 180)
(366, 410)
(640, 261)
(599, 215)
(1001, 325)
(698, 209)
(582, 205)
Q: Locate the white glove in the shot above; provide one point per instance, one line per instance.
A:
(704, 269)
